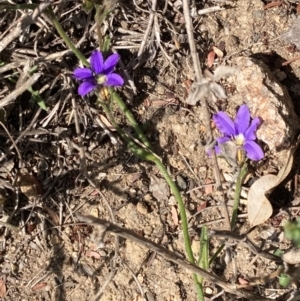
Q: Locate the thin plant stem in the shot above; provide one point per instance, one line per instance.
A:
(67, 40)
(18, 6)
(137, 150)
(238, 189)
(203, 261)
(237, 195)
(146, 155)
(141, 136)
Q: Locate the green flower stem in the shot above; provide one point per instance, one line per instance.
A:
(138, 151)
(18, 6)
(146, 155)
(237, 195)
(141, 136)
(212, 259)
(238, 189)
(67, 40)
(114, 95)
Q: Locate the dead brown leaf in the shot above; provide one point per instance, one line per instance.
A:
(91, 253)
(159, 188)
(132, 178)
(107, 123)
(273, 4)
(2, 288)
(259, 207)
(30, 186)
(39, 286)
(53, 215)
(245, 283)
(211, 58)
(218, 51)
(201, 206)
(208, 188)
(292, 256)
(174, 215)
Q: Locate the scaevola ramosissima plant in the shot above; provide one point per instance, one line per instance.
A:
(241, 130)
(99, 74)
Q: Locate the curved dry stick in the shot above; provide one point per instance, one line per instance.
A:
(104, 226)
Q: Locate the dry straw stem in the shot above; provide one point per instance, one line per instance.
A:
(19, 90)
(147, 32)
(199, 76)
(104, 226)
(244, 240)
(23, 24)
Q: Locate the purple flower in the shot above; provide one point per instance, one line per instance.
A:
(241, 131)
(100, 73)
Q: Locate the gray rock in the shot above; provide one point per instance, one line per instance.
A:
(293, 34)
(269, 100)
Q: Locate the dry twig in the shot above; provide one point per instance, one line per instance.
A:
(19, 90)
(105, 226)
(23, 24)
(199, 76)
(147, 32)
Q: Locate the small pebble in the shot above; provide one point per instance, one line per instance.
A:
(132, 192)
(181, 182)
(141, 208)
(148, 230)
(208, 290)
(148, 197)
(172, 201)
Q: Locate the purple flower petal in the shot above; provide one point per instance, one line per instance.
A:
(224, 124)
(253, 150)
(97, 61)
(83, 73)
(220, 140)
(224, 139)
(242, 119)
(86, 87)
(110, 63)
(250, 132)
(113, 80)
(218, 150)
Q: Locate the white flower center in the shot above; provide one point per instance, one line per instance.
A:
(239, 139)
(101, 79)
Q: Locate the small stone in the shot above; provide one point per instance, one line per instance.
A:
(293, 34)
(172, 201)
(181, 182)
(148, 197)
(196, 247)
(208, 291)
(148, 230)
(94, 212)
(132, 192)
(101, 252)
(141, 208)
(280, 75)
(140, 278)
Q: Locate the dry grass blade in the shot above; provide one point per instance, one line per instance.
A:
(18, 91)
(23, 24)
